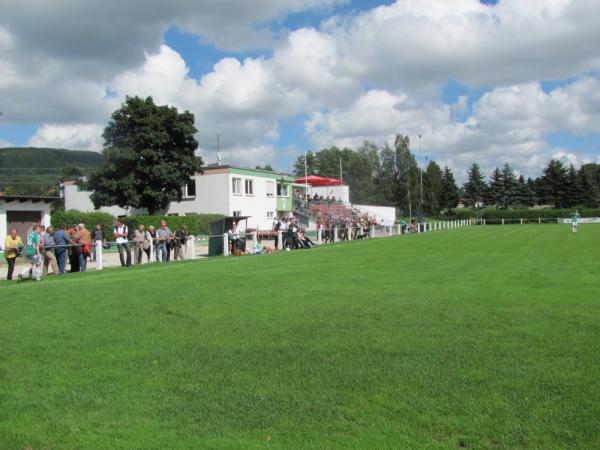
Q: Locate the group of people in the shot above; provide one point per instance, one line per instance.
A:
(356, 227)
(46, 248)
(292, 235)
(162, 240)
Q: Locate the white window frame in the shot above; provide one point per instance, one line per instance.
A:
(236, 182)
(271, 188)
(283, 186)
(185, 191)
(249, 183)
(270, 214)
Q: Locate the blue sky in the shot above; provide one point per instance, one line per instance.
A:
(487, 82)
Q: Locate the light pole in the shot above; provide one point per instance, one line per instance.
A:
(421, 173)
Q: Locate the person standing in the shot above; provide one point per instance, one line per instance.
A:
(275, 229)
(97, 236)
(12, 247)
(49, 255)
(121, 233)
(61, 242)
(33, 255)
(142, 242)
(164, 237)
(180, 241)
(84, 239)
(153, 237)
(574, 219)
(292, 234)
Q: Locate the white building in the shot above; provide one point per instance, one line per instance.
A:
(22, 212)
(227, 190)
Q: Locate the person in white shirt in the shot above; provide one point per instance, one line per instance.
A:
(121, 233)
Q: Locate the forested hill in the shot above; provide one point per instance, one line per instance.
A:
(36, 171)
(47, 157)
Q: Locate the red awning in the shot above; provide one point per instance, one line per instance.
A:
(314, 180)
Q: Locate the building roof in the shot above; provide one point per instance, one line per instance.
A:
(249, 172)
(27, 198)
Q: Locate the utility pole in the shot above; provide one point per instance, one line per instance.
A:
(421, 173)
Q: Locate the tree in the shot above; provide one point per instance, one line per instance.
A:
(432, 188)
(264, 167)
(408, 194)
(494, 190)
(70, 171)
(150, 153)
(525, 197)
(508, 187)
(449, 194)
(573, 188)
(590, 191)
(474, 187)
(311, 165)
(553, 184)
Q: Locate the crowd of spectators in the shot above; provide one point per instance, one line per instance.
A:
(47, 251)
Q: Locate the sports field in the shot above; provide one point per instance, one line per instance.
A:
(486, 337)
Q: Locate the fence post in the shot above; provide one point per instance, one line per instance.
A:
(99, 249)
(521, 221)
(152, 251)
(372, 233)
(335, 234)
(190, 248)
(539, 220)
(280, 245)
(319, 235)
(399, 230)
(225, 244)
(254, 241)
(349, 232)
(502, 221)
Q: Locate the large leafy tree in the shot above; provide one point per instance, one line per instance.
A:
(150, 151)
(475, 187)
(449, 194)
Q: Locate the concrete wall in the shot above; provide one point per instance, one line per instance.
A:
(43, 208)
(80, 201)
(385, 215)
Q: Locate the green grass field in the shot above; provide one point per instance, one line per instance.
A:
(484, 337)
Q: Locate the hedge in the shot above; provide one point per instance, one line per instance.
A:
(72, 217)
(525, 213)
(196, 223)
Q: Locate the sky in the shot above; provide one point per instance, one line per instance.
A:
(481, 81)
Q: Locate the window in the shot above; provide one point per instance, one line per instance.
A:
(237, 186)
(237, 213)
(249, 187)
(282, 190)
(270, 188)
(270, 214)
(189, 190)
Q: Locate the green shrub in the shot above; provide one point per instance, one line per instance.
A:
(196, 223)
(90, 219)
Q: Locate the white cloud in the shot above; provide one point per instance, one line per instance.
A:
(73, 137)
(4, 143)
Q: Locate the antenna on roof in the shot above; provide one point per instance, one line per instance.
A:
(220, 157)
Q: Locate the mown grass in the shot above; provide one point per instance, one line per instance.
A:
(472, 338)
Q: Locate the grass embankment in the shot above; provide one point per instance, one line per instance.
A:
(476, 338)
